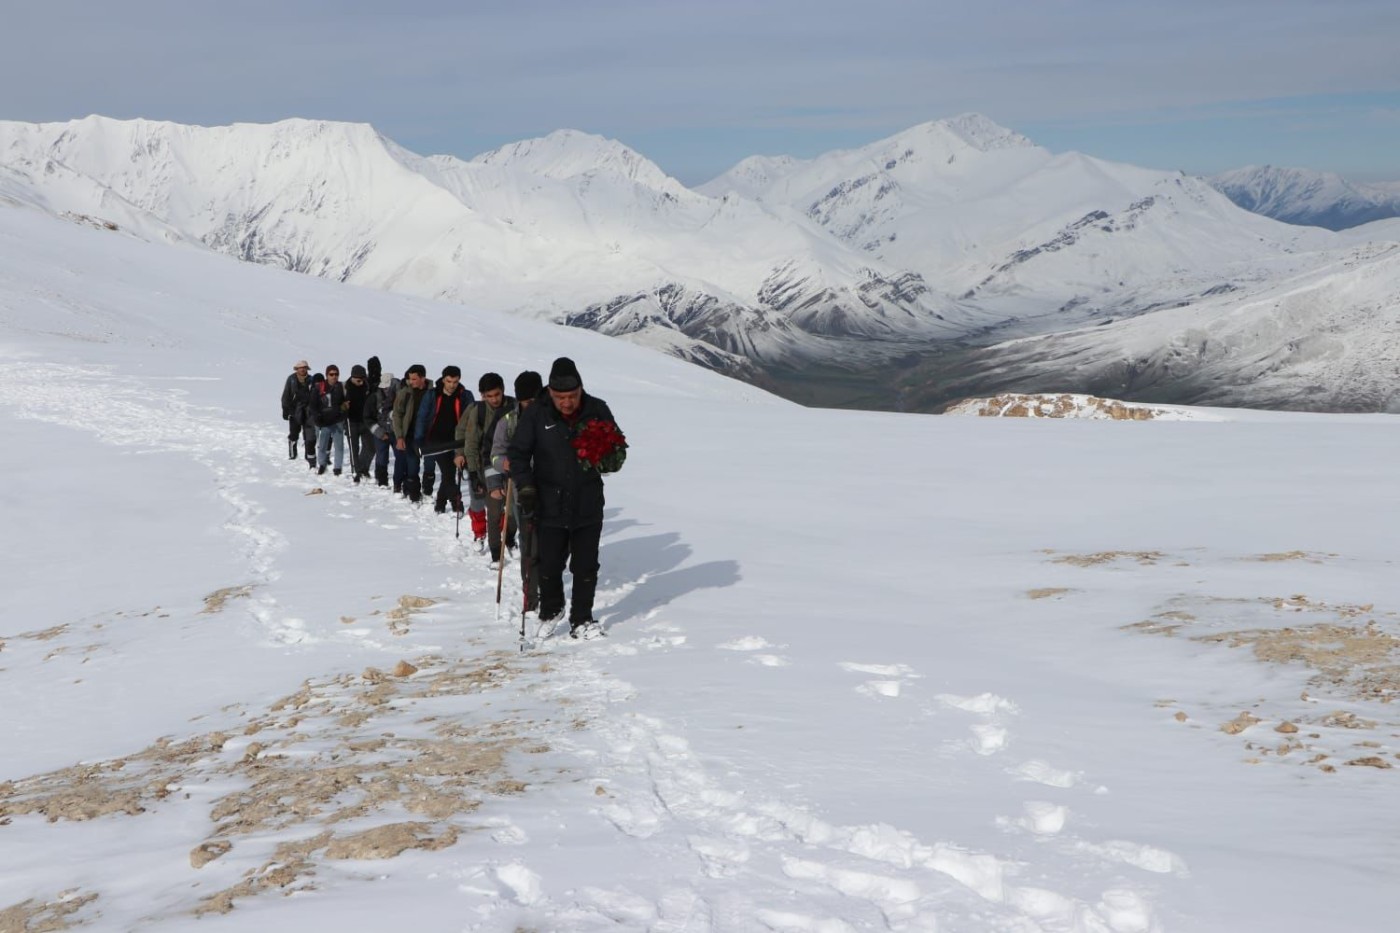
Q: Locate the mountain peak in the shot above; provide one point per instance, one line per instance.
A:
(972, 130)
(567, 153)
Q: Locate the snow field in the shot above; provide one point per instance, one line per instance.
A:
(865, 671)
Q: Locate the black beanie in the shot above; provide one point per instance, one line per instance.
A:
(563, 375)
(357, 370)
(452, 371)
(528, 385)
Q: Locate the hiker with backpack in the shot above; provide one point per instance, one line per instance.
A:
(382, 429)
(297, 396)
(406, 403)
(330, 408)
(435, 432)
(563, 445)
(528, 386)
(474, 435)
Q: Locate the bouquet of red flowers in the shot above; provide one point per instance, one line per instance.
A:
(600, 446)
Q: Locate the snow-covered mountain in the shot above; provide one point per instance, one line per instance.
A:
(952, 231)
(571, 224)
(1024, 239)
(1324, 340)
(1306, 196)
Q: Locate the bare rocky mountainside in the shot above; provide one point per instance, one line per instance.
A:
(956, 258)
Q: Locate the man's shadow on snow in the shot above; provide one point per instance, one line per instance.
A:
(650, 565)
(612, 524)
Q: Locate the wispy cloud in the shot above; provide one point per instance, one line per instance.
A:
(466, 76)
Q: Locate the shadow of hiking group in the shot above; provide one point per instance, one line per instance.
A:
(644, 573)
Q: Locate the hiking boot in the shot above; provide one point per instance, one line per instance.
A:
(337, 471)
(357, 479)
(480, 543)
(320, 471)
(588, 628)
(440, 507)
(398, 488)
(427, 489)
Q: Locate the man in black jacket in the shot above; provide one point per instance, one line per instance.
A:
(435, 432)
(358, 418)
(297, 396)
(561, 498)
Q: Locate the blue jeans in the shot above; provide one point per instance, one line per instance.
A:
(381, 458)
(411, 463)
(324, 437)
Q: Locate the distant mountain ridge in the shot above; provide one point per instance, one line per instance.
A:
(1305, 196)
(956, 233)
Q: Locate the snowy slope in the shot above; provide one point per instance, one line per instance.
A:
(1326, 340)
(991, 698)
(1306, 196)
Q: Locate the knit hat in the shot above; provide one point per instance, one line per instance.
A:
(357, 370)
(386, 380)
(563, 375)
(528, 385)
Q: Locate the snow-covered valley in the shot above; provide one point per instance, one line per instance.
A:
(1049, 675)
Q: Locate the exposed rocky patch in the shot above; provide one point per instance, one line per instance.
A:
(61, 913)
(1063, 405)
(384, 743)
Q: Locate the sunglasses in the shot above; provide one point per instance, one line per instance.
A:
(331, 372)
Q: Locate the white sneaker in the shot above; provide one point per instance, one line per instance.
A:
(495, 565)
(590, 629)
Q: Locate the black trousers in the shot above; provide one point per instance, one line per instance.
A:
(449, 490)
(301, 423)
(577, 549)
(361, 446)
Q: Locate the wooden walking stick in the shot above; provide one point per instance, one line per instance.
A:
(501, 565)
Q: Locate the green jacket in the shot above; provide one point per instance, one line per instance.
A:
(406, 409)
(476, 431)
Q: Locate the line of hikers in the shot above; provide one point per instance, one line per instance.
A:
(507, 447)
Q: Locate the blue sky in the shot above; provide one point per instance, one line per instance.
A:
(696, 86)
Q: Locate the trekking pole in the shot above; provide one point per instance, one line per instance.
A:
(501, 564)
(459, 499)
(528, 530)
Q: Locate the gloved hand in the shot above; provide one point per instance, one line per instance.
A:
(528, 499)
(478, 488)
